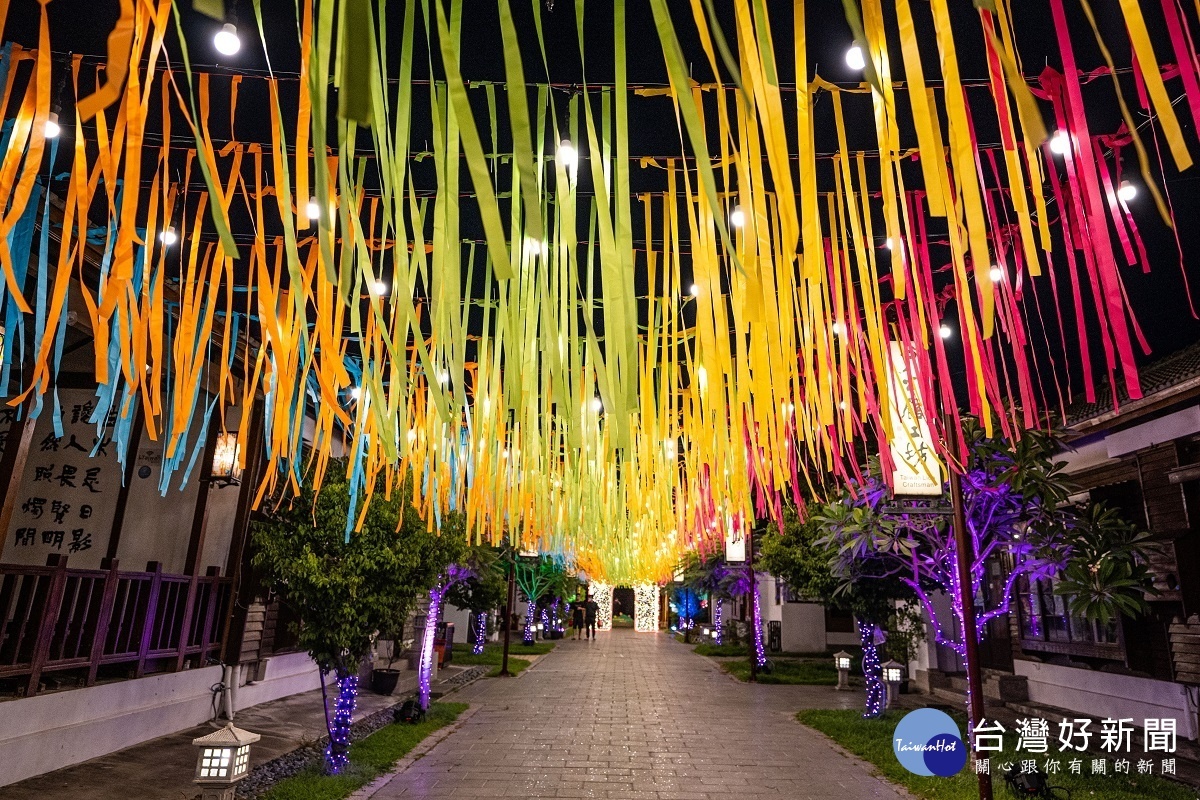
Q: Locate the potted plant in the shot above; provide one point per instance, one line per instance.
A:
(384, 679)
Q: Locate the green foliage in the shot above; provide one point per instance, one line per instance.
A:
(1107, 576)
(346, 591)
(871, 740)
(541, 577)
(370, 757)
(487, 587)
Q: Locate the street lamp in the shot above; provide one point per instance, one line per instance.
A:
(841, 660)
(222, 759)
(893, 676)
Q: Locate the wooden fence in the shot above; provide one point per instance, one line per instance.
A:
(54, 619)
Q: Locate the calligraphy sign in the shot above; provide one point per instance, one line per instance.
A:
(916, 469)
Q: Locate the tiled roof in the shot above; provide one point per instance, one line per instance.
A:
(1158, 377)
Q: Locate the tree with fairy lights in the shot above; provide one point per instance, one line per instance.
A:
(536, 577)
(345, 589)
(796, 553)
(1015, 504)
(483, 591)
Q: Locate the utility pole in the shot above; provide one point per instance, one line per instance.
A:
(508, 612)
(966, 598)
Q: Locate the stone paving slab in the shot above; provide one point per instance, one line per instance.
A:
(636, 716)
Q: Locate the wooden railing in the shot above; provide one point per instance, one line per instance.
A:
(54, 619)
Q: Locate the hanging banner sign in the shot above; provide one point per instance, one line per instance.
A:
(735, 544)
(916, 469)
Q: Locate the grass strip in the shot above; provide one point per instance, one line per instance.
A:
(369, 758)
(803, 673)
(871, 740)
(493, 656)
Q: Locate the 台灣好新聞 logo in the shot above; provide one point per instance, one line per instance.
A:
(927, 742)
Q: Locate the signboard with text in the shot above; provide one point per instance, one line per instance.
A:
(916, 469)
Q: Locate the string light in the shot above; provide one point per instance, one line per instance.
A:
(481, 621)
(602, 594)
(337, 752)
(1060, 143)
(717, 606)
(567, 155)
(645, 607)
(876, 691)
(226, 40)
(425, 665)
(760, 656)
(855, 59)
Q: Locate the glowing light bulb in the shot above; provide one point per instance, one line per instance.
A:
(694, 290)
(379, 289)
(945, 331)
(1060, 143)
(412, 435)
(996, 274)
(356, 393)
(535, 247)
(838, 328)
(226, 40)
(1127, 191)
(597, 405)
(443, 377)
(168, 236)
(737, 217)
(855, 59)
(52, 128)
(313, 209)
(567, 155)
(888, 244)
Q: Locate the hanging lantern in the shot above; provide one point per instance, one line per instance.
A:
(225, 469)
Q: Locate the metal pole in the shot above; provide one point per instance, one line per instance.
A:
(508, 612)
(966, 598)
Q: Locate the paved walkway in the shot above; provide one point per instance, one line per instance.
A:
(636, 716)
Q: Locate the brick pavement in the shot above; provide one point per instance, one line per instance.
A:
(636, 716)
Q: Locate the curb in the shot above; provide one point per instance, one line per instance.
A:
(427, 744)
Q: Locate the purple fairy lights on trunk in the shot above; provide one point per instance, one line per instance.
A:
(717, 605)
(337, 752)
(481, 621)
(527, 634)
(760, 656)
(868, 634)
(425, 666)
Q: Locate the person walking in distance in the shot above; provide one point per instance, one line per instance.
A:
(591, 609)
(577, 617)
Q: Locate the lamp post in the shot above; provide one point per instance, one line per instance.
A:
(841, 660)
(893, 676)
(222, 759)
(508, 611)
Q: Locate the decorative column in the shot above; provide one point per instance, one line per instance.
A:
(602, 594)
(645, 607)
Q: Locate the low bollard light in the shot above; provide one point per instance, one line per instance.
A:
(222, 759)
(841, 660)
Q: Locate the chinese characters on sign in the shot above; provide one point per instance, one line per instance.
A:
(916, 468)
(67, 497)
(1062, 747)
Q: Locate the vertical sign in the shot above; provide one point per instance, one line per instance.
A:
(916, 469)
(735, 543)
(67, 497)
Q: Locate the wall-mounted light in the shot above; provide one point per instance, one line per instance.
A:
(225, 470)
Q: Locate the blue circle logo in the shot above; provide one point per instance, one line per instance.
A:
(927, 742)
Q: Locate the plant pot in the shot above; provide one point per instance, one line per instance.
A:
(383, 681)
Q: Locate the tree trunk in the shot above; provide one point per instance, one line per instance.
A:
(527, 636)
(872, 672)
(337, 753)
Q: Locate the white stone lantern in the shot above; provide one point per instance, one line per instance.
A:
(841, 660)
(222, 759)
(893, 676)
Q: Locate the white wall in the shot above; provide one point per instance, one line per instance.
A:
(803, 627)
(1102, 694)
(56, 729)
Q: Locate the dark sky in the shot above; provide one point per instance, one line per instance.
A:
(1158, 298)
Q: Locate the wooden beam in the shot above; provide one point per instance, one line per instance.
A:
(200, 516)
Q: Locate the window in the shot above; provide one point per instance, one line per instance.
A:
(1047, 625)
